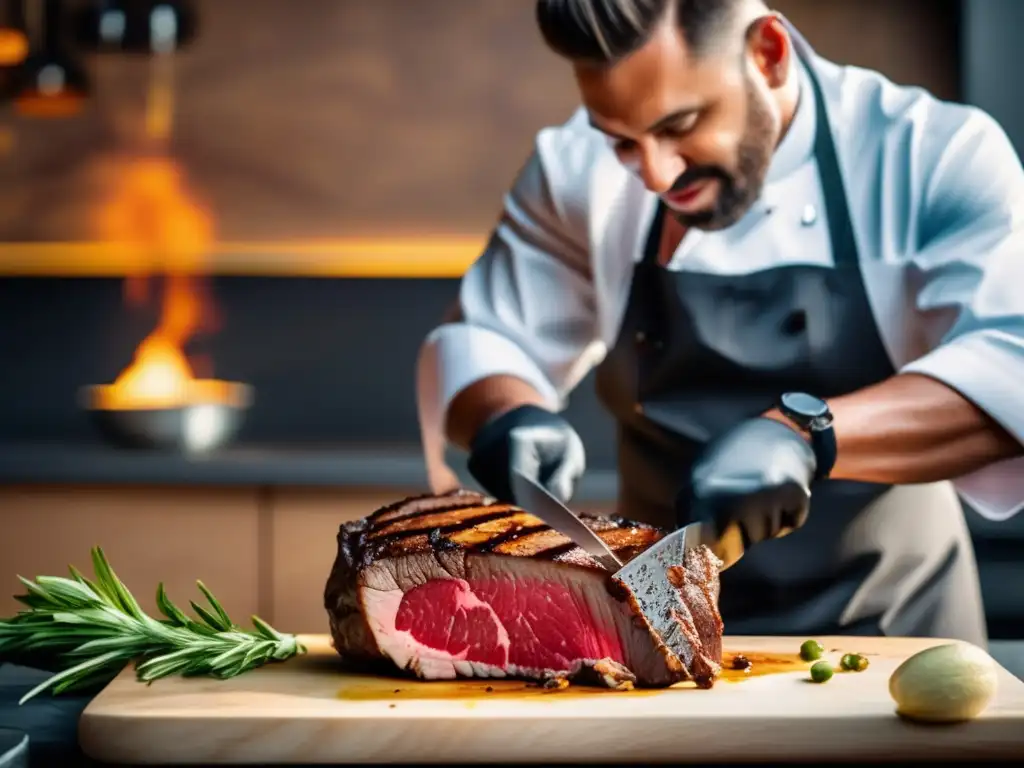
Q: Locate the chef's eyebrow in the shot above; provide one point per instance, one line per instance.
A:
(659, 124)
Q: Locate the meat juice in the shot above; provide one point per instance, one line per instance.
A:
(736, 667)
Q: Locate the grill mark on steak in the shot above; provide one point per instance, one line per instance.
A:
(418, 505)
(564, 549)
(513, 533)
(543, 542)
(549, 606)
(478, 524)
(439, 522)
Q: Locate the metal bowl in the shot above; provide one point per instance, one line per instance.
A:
(203, 424)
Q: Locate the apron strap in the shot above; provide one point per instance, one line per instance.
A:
(840, 225)
(652, 246)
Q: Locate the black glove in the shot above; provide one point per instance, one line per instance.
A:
(751, 483)
(540, 444)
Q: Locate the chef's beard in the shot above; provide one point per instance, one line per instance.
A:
(738, 189)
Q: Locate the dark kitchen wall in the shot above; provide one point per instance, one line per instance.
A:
(311, 119)
(317, 119)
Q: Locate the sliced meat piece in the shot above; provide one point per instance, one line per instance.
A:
(458, 585)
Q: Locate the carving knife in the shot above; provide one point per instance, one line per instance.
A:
(648, 576)
(535, 499)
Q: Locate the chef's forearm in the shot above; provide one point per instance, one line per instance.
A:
(484, 400)
(914, 429)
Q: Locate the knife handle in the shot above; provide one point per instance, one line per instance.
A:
(730, 545)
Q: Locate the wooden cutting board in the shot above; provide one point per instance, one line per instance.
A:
(308, 710)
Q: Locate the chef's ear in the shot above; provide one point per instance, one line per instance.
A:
(771, 48)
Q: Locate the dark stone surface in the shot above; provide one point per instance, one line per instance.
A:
(13, 748)
(50, 722)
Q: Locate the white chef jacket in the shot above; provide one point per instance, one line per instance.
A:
(936, 195)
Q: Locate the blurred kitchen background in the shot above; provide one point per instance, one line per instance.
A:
(314, 176)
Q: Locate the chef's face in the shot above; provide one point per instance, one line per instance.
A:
(699, 131)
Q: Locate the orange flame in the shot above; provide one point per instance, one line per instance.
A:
(153, 211)
(13, 46)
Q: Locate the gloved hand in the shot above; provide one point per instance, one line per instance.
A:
(540, 444)
(752, 484)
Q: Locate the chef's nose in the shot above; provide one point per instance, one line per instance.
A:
(660, 166)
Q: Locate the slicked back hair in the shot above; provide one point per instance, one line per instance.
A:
(603, 32)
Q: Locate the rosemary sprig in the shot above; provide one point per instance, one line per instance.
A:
(89, 630)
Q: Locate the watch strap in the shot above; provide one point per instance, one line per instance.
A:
(822, 435)
(823, 443)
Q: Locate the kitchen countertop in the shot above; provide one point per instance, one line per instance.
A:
(52, 722)
(318, 466)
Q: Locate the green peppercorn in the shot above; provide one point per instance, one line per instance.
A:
(821, 672)
(811, 650)
(853, 662)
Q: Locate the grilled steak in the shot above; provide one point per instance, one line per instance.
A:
(460, 585)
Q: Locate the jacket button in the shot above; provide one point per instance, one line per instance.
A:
(638, 408)
(641, 337)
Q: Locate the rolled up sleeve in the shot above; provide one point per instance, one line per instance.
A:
(467, 353)
(527, 304)
(969, 278)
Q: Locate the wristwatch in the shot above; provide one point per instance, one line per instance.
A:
(812, 415)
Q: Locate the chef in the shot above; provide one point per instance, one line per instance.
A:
(802, 287)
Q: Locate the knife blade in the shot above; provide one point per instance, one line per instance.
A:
(671, 549)
(648, 578)
(535, 499)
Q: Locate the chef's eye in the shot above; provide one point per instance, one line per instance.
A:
(624, 149)
(618, 143)
(680, 128)
(624, 145)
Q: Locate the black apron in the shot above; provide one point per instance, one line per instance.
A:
(697, 353)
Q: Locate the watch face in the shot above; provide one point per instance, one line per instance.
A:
(805, 405)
